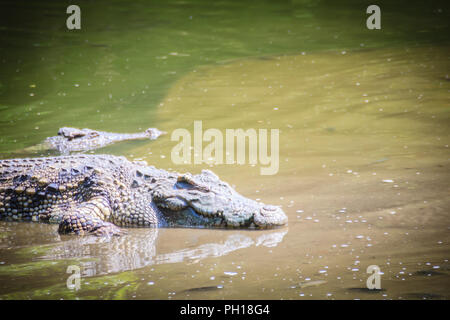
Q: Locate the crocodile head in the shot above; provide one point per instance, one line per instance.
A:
(204, 200)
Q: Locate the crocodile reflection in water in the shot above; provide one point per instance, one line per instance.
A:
(139, 249)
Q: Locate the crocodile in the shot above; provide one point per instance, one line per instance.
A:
(99, 194)
(80, 140)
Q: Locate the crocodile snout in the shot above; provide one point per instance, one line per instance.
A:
(270, 216)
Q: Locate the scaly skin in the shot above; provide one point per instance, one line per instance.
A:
(97, 194)
(79, 140)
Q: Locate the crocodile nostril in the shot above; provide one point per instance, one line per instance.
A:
(268, 210)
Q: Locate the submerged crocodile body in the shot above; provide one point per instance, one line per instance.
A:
(78, 140)
(97, 194)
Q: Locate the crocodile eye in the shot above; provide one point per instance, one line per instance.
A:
(187, 181)
(183, 185)
(93, 134)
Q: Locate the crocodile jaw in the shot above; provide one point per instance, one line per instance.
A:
(256, 216)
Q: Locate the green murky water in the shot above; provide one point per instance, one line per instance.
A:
(364, 133)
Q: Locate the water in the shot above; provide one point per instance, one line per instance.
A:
(364, 143)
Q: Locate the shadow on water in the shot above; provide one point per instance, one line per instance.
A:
(366, 290)
(424, 296)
